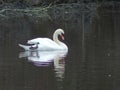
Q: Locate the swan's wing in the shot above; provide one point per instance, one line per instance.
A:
(44, 43)
(41, 41)
(34, 41)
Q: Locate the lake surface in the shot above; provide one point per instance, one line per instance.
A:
(92, 61)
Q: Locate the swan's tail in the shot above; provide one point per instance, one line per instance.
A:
(24, 47)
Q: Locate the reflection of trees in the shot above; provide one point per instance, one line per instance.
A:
(14, 30)
(99, 68)
(74, 11)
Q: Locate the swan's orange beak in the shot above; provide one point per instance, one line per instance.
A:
(62, 37)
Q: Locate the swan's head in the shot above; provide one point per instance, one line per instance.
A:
(59, 32)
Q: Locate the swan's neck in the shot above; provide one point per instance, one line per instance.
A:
(55, 38)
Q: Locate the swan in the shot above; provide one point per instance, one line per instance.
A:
(46, 44)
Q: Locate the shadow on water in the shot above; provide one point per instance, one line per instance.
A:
(92, 61)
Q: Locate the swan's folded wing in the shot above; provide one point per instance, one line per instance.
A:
(33, 41)
(48, 43)
(41, 41)
(44, 43)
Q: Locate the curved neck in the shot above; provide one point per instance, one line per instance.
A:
(55, 38)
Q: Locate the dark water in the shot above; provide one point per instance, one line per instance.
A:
(92, 62)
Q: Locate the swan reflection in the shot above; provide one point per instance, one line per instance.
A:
(44, 58)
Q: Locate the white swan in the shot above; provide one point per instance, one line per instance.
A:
(46, 44)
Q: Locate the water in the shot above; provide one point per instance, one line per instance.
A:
(92, 62)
